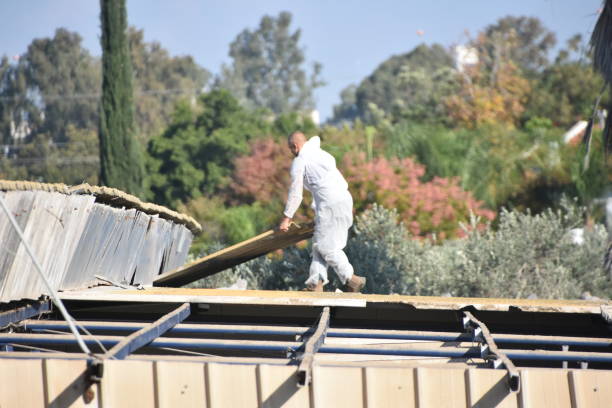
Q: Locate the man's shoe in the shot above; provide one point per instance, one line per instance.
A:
(315, 288)
(355, 284)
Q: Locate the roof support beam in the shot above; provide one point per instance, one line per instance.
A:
(489, 350)
(197, 329)
(24, 312)
(313, 344)
(149, 333)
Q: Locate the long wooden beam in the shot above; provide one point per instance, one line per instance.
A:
(236, 254)
(24, 312)
(148, 333)
(312, 346)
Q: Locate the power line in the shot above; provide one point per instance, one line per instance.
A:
(97, 95)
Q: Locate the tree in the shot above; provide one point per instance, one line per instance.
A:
(66, 79)
(427, 208)
(120, 159)
(564, 91)
(485, 99)
(267, 69)
(160, 81)
(17, 111)
(195, 154)
(523, 40)
(410, 85)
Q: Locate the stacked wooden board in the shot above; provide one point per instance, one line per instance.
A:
(76, 235)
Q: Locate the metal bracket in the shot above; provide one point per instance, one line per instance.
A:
(489, 350)
(313, 344)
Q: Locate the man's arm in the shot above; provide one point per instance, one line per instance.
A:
(294, 197)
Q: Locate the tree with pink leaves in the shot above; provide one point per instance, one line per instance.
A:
(429, 208)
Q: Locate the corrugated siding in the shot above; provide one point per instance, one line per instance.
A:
(75, 238)
(191, 384)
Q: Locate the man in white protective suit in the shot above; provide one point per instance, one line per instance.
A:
(315, 170)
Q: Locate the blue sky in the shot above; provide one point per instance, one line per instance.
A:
(350, 38)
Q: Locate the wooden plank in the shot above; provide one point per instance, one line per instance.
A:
(236, 254)
(312, 346)
(441, 387)
(544, 388)
(21, 383)
(338, 387)
(176, 295)
(148, 333)
(67, 386)
(231, 385)
(278, 388)
(218, 296)
(128, 384)
(489, 388)
(180, 384)
(390, 387)
(592, 388)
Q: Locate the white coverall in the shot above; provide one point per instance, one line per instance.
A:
(315, 169)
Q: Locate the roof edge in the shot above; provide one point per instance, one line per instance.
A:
(106, 195)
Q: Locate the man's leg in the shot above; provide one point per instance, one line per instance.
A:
(337, 259)
(332, 237)
(318, 268)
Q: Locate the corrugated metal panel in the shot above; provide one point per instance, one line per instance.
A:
(187, 384)
(76, 238)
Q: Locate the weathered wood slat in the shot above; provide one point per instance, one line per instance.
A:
(74, 238)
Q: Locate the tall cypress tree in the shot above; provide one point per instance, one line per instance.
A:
(120, 157)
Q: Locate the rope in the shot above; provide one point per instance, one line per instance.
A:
(56, 300)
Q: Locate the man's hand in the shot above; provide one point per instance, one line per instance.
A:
(284, 225)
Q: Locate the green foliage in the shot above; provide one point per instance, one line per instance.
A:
(72, 162)
(61, 66)
(160, 80)
(528, 168)
(410, 86)
(527, 255)
(431, 209)
(565, 91)
(121, 163)
(524, 40)
(267, 68)
(195, 154)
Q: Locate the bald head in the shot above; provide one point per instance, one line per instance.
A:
(295, 141)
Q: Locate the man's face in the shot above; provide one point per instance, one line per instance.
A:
(294, 148)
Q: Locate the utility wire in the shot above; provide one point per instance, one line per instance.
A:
(56, 300)
(97, 95)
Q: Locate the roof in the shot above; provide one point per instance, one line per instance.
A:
(247, 348)
(80, 233)
(106, 195)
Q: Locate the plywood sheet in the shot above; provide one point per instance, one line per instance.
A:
(390, 387)
(128, 384)
(441, 387)
(66, 384)
(545, 388)
(180, 384)
(226, 258)
(591, 388)
(278, 388)
(489, 388)
(231, 385)
(338, 387)
(21, 383)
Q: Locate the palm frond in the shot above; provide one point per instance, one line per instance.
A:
(601, 42)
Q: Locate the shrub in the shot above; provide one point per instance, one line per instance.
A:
(526, 255)
(428, 209)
